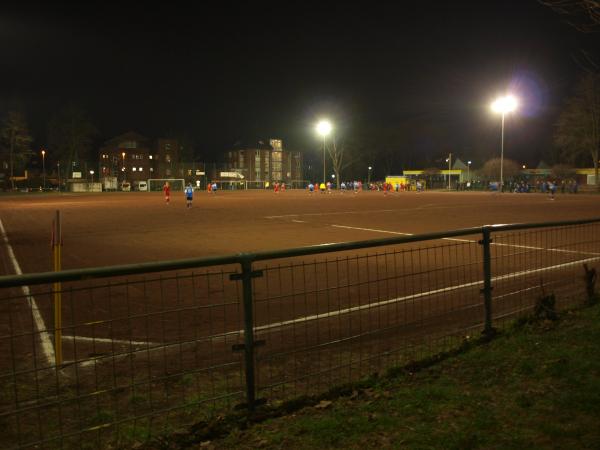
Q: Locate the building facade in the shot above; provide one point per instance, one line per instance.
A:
(133, 157)
(260, 162)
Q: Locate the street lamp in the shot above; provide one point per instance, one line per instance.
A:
(44, 167)
(369, 176)
(92, 174)
(449, 161)
(503, 105)
(468, 170)
(324, 128)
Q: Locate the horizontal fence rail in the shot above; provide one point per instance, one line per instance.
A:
(146, 349)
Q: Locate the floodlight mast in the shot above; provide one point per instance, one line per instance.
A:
(324, 128)
(503, 105)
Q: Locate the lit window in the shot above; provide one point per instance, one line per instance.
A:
(151, 169)
(141, 169)
(133, 168)
(149, 156)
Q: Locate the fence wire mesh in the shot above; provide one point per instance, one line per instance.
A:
(140, 354)
(148, 354)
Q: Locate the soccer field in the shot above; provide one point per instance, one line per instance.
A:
(123, 228)
(322, 319)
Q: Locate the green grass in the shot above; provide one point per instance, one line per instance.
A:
(535, 387)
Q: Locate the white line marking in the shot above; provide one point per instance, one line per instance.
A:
(557, 250)
(38, 321)
(412, 296)
(298, 221)
(109, 341)
(329, 213)
(371, 229)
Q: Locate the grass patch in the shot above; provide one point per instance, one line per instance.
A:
(537, 386)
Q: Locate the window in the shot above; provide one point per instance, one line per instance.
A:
(140, 169)
(151, 169)
(168, 158)
(149, 156)
(133, 168)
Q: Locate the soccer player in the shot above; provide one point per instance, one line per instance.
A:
(167, 191)
(311, 188)
(189, 195)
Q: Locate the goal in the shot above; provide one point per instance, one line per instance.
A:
(156, 184)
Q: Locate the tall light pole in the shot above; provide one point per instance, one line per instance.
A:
(449, 161)
(503, 105)
(44, 167)
(469, 171)
(123, 168)
(92, 174)
(369, 177)
(324, 128)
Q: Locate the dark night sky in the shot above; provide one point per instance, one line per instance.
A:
(220, 73)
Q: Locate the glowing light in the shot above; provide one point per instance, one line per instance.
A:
(324, 127)
(505, 104)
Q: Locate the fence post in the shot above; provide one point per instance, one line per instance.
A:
(249, 341)
(488, 330)
(57, 289)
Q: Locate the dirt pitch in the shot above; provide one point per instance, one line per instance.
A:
(120, 228)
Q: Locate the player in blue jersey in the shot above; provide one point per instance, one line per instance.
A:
(189, 194)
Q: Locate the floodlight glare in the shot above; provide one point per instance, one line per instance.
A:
(505, 104)
(324, 127)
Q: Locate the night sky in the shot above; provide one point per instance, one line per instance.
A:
(419, 76)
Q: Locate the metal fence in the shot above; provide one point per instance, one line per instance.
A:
(151, 348)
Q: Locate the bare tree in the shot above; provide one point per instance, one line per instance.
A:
(578, 127)
(491, 169)
(15, 140)
(70, 136)
(339, 159)
(584, 15)
(563, 171)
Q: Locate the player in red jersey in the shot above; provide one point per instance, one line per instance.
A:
(167, 191)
